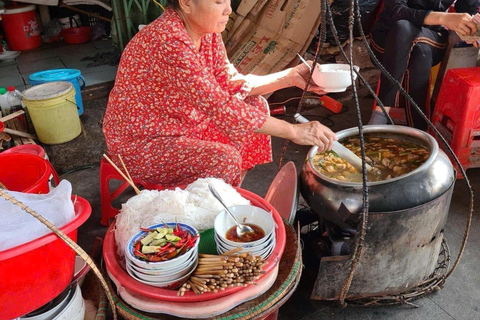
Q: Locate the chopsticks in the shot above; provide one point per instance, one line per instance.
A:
(129, 178)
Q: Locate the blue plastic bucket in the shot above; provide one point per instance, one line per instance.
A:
(71, 75)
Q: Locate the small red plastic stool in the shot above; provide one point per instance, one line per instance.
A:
(108, 173)
(457, 115)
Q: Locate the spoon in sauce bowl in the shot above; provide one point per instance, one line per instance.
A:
(241, 228)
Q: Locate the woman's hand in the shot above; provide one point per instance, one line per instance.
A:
(311, 133)
(460, 22)
(473, 42)
(300, 76)
(314, 134)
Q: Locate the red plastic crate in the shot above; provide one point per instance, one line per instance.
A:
(457, 114)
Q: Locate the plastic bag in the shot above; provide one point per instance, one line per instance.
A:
(19, 227)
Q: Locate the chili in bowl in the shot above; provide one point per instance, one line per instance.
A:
(163, 247)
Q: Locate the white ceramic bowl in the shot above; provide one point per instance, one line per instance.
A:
(333, 77)
(74, 306)
(244, 214)
(264, 244)
(58, 304)
(163, 278)
(257, 252)
(191, 256)
(168, 275)
(264, 254)
(162, 265)
(174, 284)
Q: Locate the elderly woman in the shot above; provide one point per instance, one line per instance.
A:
(180, 111)
(409, 38)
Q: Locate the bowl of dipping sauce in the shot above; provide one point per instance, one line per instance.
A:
(260, 220)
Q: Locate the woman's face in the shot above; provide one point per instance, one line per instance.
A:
(208, 16)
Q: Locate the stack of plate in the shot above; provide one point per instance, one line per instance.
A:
(169, 274)
(246, 214)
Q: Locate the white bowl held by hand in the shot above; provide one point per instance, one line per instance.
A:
(334, 77)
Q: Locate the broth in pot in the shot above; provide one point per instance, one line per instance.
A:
(389, 157)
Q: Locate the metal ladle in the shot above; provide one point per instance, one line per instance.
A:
(241, 228)
(341, 150)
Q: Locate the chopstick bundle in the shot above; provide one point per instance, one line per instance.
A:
(127, 177)
(216, 273)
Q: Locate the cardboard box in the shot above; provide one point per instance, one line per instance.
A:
(267, 34)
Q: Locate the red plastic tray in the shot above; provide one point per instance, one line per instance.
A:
(114, 267)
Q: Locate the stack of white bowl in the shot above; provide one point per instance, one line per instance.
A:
(246, 214)
(69, 306)
(169, 274)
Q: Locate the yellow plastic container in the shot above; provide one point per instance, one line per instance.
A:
(53, 111)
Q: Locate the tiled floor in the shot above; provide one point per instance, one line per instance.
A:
(58, 56)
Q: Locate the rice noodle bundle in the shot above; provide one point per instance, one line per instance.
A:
(194, 206)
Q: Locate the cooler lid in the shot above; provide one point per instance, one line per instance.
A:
(20, 8)
(47, 90)
(55, 75)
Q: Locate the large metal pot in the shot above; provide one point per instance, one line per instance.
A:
(405, 226)
(340, 202)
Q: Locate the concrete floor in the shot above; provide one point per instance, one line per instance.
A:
(458, 300)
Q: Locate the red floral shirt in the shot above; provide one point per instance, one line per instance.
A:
(166, 89)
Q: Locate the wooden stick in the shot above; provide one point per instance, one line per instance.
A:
(202, 261)
(124, 167)
(204, 255)
(234, 259)
(19, 133)
(203, 281)
(210, 267)
(194, 287)
(137, 191)
(228, 253)
(85, 12)
(12, 115)
(212, 272)
(206, 276)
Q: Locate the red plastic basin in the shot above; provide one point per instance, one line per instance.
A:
(33, 274)
(76, 35)
(26, 172)
(33, 149)
(114, 266)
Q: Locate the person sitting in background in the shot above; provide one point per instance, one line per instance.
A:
(408, 38)
(180, 111)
